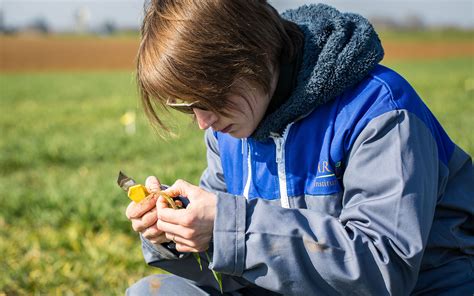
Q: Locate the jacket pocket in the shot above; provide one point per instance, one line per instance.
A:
(326, 204)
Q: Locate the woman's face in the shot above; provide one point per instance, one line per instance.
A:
(250, 103)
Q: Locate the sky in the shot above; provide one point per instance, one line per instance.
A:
(60, 14)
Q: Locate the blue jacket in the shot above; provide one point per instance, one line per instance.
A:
(364, 194)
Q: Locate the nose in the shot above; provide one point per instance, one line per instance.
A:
(205, 119)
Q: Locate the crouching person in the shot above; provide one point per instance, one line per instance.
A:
(327, 174)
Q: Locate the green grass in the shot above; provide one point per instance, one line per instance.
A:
(427, 35)
(61, 217)
(447, 87)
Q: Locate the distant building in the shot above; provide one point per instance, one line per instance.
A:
(82, 17)
(409, 22)
(413, 21)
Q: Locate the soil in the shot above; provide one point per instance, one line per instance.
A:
(53, 53)
(35, 53)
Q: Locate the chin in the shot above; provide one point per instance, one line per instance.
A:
(241, 134)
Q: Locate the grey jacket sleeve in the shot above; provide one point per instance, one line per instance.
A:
(376, 244)
(212, 178)
(184, 264)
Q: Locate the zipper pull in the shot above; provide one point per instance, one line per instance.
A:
(278, 143)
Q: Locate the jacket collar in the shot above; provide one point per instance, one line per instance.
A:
(339, 50)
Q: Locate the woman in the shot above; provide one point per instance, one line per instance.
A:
(326, 172)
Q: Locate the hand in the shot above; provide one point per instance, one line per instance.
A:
(143, 215)
(190, 228)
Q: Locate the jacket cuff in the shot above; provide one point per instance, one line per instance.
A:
(153, 253)
(229, 235)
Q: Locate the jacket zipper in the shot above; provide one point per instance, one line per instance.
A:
(280, 160)
(249, 170)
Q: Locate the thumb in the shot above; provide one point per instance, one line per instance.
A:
(181, 187)
(152, 184)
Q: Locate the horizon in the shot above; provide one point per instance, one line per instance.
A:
(62, 15)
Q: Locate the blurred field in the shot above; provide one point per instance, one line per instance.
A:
(62, 226)
(27, 53)
(61, 219)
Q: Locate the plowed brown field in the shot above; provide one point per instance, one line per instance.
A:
(35, 53)
(76, 54)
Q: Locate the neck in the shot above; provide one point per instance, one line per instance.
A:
(285, 79)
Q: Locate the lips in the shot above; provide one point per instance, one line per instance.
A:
(226, 129)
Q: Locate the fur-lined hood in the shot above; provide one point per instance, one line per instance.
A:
(340, 49)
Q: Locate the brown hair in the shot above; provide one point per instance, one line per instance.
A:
(195, 50)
